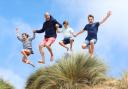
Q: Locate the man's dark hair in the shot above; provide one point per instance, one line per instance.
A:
(91, 16)
(25, 34)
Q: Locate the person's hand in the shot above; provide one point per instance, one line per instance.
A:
(57, 26)
(109, 13)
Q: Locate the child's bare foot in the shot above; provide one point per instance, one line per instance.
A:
(52, 58)
(28, 62)
(42, 61)
(32, 65)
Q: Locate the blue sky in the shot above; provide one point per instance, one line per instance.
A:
(112, 43)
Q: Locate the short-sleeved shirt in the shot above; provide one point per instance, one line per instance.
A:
(67, 32)
(92, 30)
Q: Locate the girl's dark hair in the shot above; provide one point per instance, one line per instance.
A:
(25, 34)
(65, 22)
(91, 16)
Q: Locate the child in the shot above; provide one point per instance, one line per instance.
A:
(27, 46)
(49, 27)
(68, 36)
(92, 29)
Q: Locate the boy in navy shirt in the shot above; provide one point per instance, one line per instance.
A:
(92, 29)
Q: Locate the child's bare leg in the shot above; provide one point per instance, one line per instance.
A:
(24, 59)
(25, 56)
(41, 49)
(62, 44)
(90, 52)
(71, 43)
(91, 48)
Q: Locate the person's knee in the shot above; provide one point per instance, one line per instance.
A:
(83, 46)
(92, 42)
(47, 45)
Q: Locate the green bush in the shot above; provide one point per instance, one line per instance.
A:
(73, 72)
(5, 85)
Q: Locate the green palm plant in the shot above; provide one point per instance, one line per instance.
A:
(30, 84)
(5, 85)
(73, 72)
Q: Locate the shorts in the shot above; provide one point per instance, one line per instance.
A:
(28, 52)
(87, 41)
(67, 40)
(48, 41)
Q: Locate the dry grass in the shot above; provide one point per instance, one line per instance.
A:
(123, 83)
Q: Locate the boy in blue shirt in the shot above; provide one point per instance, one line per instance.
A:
(92, 29)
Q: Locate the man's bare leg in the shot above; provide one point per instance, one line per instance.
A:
(41, 49)
(51, 53)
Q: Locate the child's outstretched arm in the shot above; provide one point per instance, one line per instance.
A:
(72, 32)
(33, 36)
(106, 17)
(18, 35)
(80, 32)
